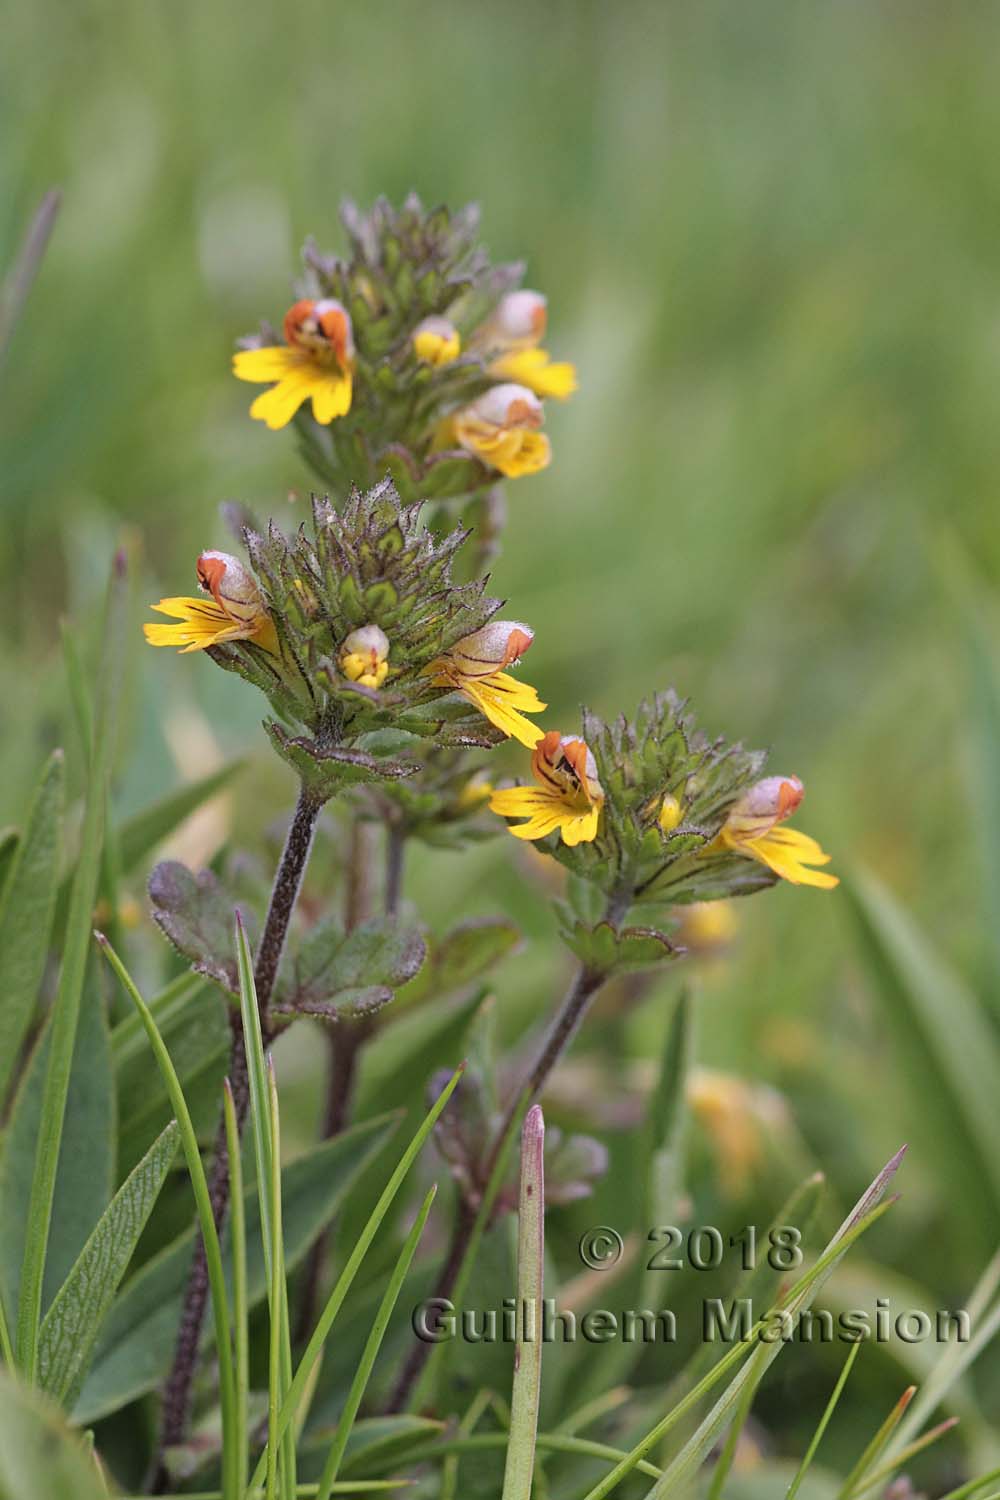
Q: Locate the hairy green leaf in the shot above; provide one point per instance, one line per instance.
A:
(137, 1341)
(71, 1325)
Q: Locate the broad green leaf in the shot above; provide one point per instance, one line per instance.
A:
(86, 1159)
(353, 972)
(195, 912)
(944, 1047)
(137, 1341)
(141, 833)
(26, 911)
(71, 1325)
(40, 1458)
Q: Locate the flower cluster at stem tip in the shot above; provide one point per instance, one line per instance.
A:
(424, 374)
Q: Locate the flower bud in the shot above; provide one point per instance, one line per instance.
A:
(476, 791)
(497, 645)
(670, 813)
(519, 319)
(364, 656)
(763, 805)
(436, 341)
(508, 405)
(232, 586)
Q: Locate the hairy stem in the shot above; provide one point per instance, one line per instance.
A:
(472, 1214)
(284, 893)
(344, 1043)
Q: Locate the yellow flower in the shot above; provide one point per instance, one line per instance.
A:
(501, 428)
(517, 327)
(752, 828)
(317, 361)
(475, 792)
(707, 927)
(735, 1117)
(364, 656)
(235, 611)
(475, 666)
(436, 341)
(568, 795)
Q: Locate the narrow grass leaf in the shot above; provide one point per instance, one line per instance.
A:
(71, 1325)
(865, 1213)
(370, 1352)
(520, 1462)
(354, 1262)
(824, 1422)
(27, 906)
(241, 1306)
(206, 1219)
(66, 1009)
(940, 1031)
(877, 1445)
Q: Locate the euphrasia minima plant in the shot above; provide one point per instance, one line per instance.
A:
(416, 377)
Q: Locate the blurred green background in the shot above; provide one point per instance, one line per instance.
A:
(768, 234)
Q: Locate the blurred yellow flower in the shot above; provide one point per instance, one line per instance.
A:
(517, 327)
(568, 795)
(735, 1115)
(501, 429)
(317, 362)
(475, 666)
(235, 611)
(436, 341)
(752, 828)
(707, 927)
(364, 656)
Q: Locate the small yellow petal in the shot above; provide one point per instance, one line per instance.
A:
(278, 406)
(260, 365)
(534, 452)
(331, 396)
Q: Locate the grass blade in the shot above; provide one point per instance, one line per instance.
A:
(276, 1300)
(520, 1463)
(241, 1312)
(877, 1445)
(824, 1422)
(953, 1054)
(27, 908)
(371, 1349)
(203, 1202)
(345, 1280)
(886, 1469)
(66, 1009)
(865, 1213)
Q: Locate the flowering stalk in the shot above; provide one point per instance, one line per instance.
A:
(284, 893)
(474, 1207)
